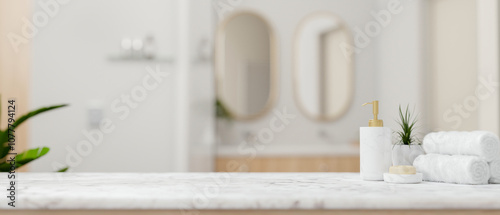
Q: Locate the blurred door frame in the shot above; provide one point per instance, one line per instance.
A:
(488, 58)
(15, 62)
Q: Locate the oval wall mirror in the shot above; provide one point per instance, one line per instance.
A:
(323, 73)
(245, 65)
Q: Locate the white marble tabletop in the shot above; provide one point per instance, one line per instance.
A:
(244, 191)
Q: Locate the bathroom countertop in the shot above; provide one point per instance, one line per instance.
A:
(314, 149)
(235, 191)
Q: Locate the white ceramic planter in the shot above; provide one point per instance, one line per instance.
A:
(404, 155)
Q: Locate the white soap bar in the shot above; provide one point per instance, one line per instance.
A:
(374, 152)
(407, 170)
(403, 178)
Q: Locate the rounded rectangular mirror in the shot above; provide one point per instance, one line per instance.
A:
(245, 65)
(323, 75)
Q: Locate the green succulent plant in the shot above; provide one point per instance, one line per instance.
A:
(406, 136)
(28, 155)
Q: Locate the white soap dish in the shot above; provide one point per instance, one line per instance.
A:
(403, 178)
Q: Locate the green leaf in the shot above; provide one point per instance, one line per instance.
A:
(4, 148)
(34, 113)
(63, 169)
(1, 107)
(407, 122)
(24, 158)
(221, 110)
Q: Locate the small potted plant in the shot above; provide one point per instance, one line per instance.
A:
(407, 146)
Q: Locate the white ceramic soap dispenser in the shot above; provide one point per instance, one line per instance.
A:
(375, 148)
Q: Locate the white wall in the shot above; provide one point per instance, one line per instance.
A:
(201, 90)
(401, 63)
(70, 65)
(303, 133)
(389, 69)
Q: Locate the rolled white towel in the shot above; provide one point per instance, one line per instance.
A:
(495, 171)
(480, 143)
(461, 169)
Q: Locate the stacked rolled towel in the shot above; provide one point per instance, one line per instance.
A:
(465, 148)
(495, 171)
(461, 169)
(479, 143)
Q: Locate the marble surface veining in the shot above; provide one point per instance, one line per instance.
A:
(183, 191)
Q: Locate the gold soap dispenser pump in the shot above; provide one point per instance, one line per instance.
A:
(374, 147)
(375, 122)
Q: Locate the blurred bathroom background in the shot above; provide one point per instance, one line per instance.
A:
(240, 85)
